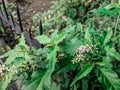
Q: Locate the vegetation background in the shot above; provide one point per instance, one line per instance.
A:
(81, 49)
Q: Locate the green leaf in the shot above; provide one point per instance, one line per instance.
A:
(66, 68)
(18, 61)
(18, 51)
(85, 84)
(112, 52)
(108, 36)
(12, 55)
(106, 62)
(54, 34)
(74, 43)
(33, 85)
(52, 58)
(33, 82)
(60, 37)
(22, 40)
(55, 86)
(113, 5)
(88, 36)
(82, 73)
(43, 39)
(4, 84)
(45, 82)
(7, 54)
(110, 79)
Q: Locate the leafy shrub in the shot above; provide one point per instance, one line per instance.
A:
(81, 50)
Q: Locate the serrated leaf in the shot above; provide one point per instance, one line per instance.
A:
(43, 39)
(86, 69)
(111, 77)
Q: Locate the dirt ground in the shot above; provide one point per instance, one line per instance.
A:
(30, 8)
(33, 7)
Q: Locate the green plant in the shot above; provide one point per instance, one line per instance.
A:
(81, 50)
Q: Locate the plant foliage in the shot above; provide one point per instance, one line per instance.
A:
(81, 49)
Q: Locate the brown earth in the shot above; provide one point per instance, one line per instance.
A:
(30, 8)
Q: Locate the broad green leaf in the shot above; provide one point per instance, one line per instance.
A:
(43, 39)
(7, 54)
(45, 82)
(86, 69)
(74, 43)
(112, 52)
(12, 55)
(106, 62)
(54, 34)
(108, 36)
(33, 82)
(60, 37)
(52, 58)
(18, 61)
(33, 85)
(18, 51)
(111, 77)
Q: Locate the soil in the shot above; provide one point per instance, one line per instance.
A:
(30, 8)
(33, 7)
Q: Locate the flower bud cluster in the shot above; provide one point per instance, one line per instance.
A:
(80, 53)
(3, 70)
